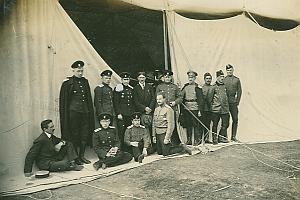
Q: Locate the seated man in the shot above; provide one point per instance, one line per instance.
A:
(137, 138)
(106, 144)
(162, 129)
(50, 152)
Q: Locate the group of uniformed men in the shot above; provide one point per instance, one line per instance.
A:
(134, 121)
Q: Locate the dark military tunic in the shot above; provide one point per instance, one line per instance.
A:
(234, 89)
(137, 134)
(103, 141)
(123, 100)
(103, 99)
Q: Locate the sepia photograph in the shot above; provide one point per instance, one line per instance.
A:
(149, 99)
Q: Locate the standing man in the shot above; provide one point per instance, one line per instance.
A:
(234, 93)
(173, 97)
(76, 110)
(124, 105)
(194, 103)
(218, 102)
(144, 100)
(103, 99)
(50, 152)
(206, 115)
(163, 127)
(137, 137)
(106, 145)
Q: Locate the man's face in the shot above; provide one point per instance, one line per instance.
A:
(125, 81)
(160, 100)
(229, 71)
(136, 122)
(106, 79)
(220, 78)
(167, 78)
(191, 79)
(208, 80)
(105, 123)
(78, 72)
(142, 79)
(50, 128)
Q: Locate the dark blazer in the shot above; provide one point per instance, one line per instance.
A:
(42, 152)
(103, 99)
(143, 97)
(64, 111)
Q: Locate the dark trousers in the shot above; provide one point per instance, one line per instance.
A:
(137, 151)
(234, 111)
(224, 125)
(166, 149)
(175, 137)
(79, 127)
(193, 124)
(119, 159)
(122, 126)
(62, 162)
(206, 119)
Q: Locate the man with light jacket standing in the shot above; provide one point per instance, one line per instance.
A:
(219, 108)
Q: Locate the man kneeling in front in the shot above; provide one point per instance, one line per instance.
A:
(50, 152)
(162, 129)
(106, 144)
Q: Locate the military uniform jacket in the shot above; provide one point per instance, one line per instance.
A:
(65, 96)
(172, 93)
(123, 100)
(103, 99)
(206, 89)
(199, 96)
(234, 89)
(104, 140)
(42, 152)
(143, 97)
(218, 99)
(163, 121)
(137, 134)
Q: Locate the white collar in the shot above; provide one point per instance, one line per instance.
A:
(142, 85)
(48, 134)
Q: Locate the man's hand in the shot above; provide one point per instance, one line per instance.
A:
(58, 146)
(112, 152)
(120, 116)
(145, 151)
(148, 110)
(154, 139)
(28, 174)
(167, 141)
(135, 144)
(172, 103)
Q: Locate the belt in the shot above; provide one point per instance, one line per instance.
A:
(190, 100)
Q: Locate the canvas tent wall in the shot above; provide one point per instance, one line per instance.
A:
(38, 43)
(267, 61)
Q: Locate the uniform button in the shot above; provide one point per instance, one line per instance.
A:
(81, 90)
(83, 100)
(128, 104)
(83, 95)
(80, 86)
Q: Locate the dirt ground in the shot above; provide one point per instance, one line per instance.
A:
(230, 173)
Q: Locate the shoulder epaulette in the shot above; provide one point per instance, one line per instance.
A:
(130, 86)
(112, 127)
(98, 129)
(101, 85)
(168, 106)
(142, 126)
(129, 127)
(119, 87)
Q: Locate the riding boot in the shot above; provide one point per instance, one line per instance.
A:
(81, 154)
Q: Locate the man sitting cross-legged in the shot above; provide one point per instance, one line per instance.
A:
(106, 144)
(50, 152)
(137, 138)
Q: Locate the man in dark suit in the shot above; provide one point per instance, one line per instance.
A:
(76, 110)
(50, 152)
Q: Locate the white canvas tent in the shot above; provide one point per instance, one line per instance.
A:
(267, 61)
(38, 43)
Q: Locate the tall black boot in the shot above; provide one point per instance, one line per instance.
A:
(81, 154)
(215, 138)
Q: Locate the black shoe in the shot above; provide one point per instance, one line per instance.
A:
(223, 141)
(103, 166)
(140, 158)
(186, 149)
(96, 165)
(74, 167)
(84, 160)
(234, 140)
(78, 161)
(208, 142)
